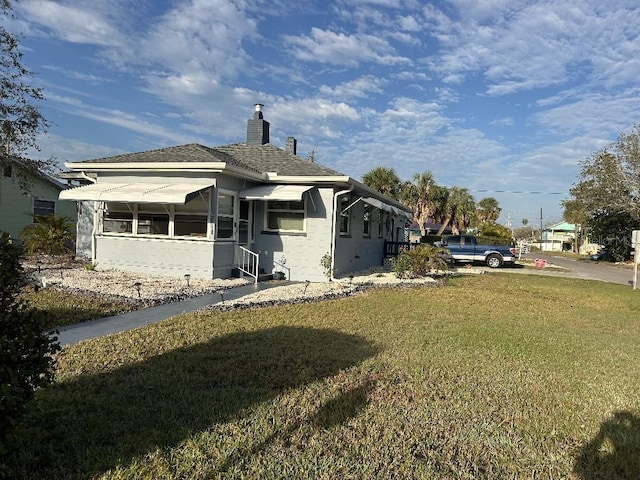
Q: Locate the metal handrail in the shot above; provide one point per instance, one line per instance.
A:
(249, 262)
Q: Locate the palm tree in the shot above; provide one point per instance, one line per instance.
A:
(384, 180)
(488, 210)
(420, 195)
(458, 210)
(49, 234)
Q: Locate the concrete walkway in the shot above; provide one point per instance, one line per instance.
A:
(73, 334)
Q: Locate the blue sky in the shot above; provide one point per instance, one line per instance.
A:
(503, 97)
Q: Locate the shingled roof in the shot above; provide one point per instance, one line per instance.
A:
(268, 158)
(256, 158)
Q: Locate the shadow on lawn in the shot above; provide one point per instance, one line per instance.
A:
(615, 452)
(95, 422)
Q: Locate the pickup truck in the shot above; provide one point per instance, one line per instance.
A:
(464, 248)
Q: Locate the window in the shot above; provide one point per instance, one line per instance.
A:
(118, 218)
(190, 220)
(285, 216)
(366, 218)
(42, 207)
(153, 219)
(344, 215)
(7, 171)
(226, 217)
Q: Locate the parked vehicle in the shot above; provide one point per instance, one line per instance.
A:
(464, 248)
(602, 255)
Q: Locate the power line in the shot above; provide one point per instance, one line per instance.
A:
(520, 191)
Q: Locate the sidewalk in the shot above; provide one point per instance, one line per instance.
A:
(73, 334)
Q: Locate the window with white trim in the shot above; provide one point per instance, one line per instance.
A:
(43, 207)
(226, 215)
(345, 202)
(285, 215)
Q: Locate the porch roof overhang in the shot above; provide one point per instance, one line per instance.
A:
(275, 192)
(169, 193)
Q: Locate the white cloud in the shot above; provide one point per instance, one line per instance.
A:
(361, 87)
(71, 23)
(519, 46)
(326, 46)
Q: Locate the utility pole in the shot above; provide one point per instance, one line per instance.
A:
(541, 227)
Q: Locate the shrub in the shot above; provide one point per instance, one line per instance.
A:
(325, 263)
(49, 234)
(25, 347)
(420, 261)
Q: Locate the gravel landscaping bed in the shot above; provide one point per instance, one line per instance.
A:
(146, 290)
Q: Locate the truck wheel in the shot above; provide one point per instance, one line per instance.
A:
(494, 260)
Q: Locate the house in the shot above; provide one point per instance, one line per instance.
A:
(248, 207)
(559, 236)
(430, 228)
(38, 197)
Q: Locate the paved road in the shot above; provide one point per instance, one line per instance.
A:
(603, 271)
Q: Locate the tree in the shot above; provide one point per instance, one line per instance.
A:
(614, 231)
(25, 345)
(459, 209)
(49, 234)
(609, 180)
(488, 210)
(574, 212)
(21, 120)
(384, 180)
(419, 195)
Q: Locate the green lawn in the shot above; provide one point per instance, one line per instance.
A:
(63, 308)
(488, 376)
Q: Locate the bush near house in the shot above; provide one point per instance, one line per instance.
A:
(25, 348)
(51, 234)
(420, 261)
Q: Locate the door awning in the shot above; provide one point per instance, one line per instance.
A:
(275, 192)
(374, 202)
(171, 193)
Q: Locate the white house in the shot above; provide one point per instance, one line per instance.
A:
(214, 212)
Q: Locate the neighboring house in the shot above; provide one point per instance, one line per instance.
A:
(430, 228)
(558, 237)
(40, 198)
(213, 212)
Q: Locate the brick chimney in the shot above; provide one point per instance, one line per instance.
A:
(291, 146)
(257, 127)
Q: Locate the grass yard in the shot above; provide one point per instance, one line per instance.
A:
(62, 308)
(488, 376)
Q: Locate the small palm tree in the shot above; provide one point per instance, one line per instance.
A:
(49, 234)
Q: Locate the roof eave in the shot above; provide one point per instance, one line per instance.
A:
(192, 167)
